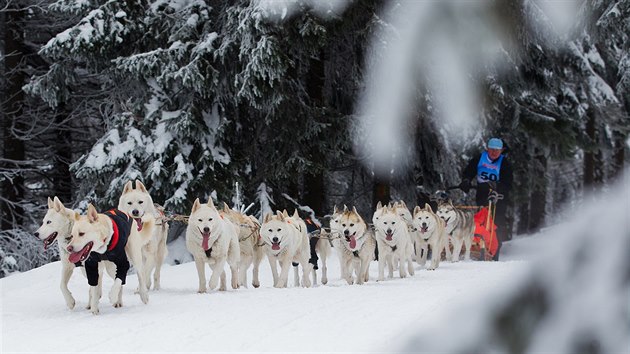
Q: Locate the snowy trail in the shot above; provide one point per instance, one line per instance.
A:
(375, 317)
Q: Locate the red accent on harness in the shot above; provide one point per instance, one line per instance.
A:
(114, 241)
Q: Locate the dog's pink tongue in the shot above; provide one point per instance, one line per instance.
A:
(204, 243)
(353, 242)
(74, 257)
(139, 222)
(275, 246)
(388, 237)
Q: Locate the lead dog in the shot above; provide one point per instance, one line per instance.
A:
(394, 243)
(57, 225)
(138, 202)
(213, 239)
(430, 232)
(356, 246)
(248, 238)
(110, 236)
(285, 243)
(460, 228)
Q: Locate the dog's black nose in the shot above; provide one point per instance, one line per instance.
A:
(135, 212)
(275, 240)
(70, 249)
(389, 231)
(346, 232)
(37, 234)
(424, 224)
(206, 229)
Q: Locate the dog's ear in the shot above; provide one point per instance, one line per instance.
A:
(58, 205)
(226, 208)
(267, 217)
(335, 210)
(281, 215)
(196, 206)
(416, 210)
(379, 205)
(285, 213)
(402, 203)
(92, 214)
(295, 214)
(76, 216)
(211, 203)
(128, 188)
(354, 210)
(50, 203)
(345, 208)
(140, 186)
(428, 207)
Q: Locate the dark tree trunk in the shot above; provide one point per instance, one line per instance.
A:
(381, 192)
(14, 151)
(538, 200)
(589, 156)
(62, 178)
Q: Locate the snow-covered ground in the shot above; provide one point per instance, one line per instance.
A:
(376, 317)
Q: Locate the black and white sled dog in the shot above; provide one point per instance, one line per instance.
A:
(459, 226)
(136, 202)
(355, 246)
(429, 232)
(110, 236)
(213, 239)
(57, 225)
(286, 242)
(394, 243)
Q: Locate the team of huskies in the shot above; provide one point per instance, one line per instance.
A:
(216, 236)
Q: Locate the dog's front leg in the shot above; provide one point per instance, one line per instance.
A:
(94, 296)
(323, 256)
(435, 256)
(467, 246)
(235, 273)
(348, 270)
(457, 248)
(217, 271)
(273, 264)
(382, 260)
(115, 293)
(285, 265)
(364, 264)
(258, 256)
(201, 273)
(307, 268)
(66, 273)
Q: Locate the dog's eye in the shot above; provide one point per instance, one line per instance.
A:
(140, 202)
(200, 220)
(129, 203)
(351, 225)
(344, 225)
(385, 222)
(48, 222)
(279, 230)
(81, 234)
(210, 219)
(69, 238)
(270, 230)
(393, 222)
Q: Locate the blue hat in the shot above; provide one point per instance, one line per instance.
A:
(495, 143)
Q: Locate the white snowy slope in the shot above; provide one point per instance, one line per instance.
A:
(376, 317)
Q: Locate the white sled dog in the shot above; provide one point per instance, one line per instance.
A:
(115, 237)
(460, 228)
(286, 244)
(248, 238)
(137, 202)
(213, 239)
(57, 225)
(356, 246)
(394, 243)
(430, 232)
(321, 248)
(400, 208)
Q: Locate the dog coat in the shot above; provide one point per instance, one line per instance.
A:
(115, 252)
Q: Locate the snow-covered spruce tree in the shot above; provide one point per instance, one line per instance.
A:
(163, 127)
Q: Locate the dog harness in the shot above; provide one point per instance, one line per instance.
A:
(488, 170)
(115, 253)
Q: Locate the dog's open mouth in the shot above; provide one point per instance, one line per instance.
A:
(275, 246)
(139, 222)
(352, 241)
(446, 221)
(389, 236)
(205, 240)
(424, 229)
(50, 239)
(81, 255)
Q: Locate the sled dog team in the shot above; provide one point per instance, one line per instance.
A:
(135, 234)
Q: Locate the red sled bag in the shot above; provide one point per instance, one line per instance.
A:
(488, 232)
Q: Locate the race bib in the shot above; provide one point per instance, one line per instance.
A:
(488, 171)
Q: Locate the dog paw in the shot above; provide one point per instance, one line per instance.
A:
(118, 305)
(70, 303)
(324, 281)
(144, 296)
(95, 311)
(256, 284)
(202, 290)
